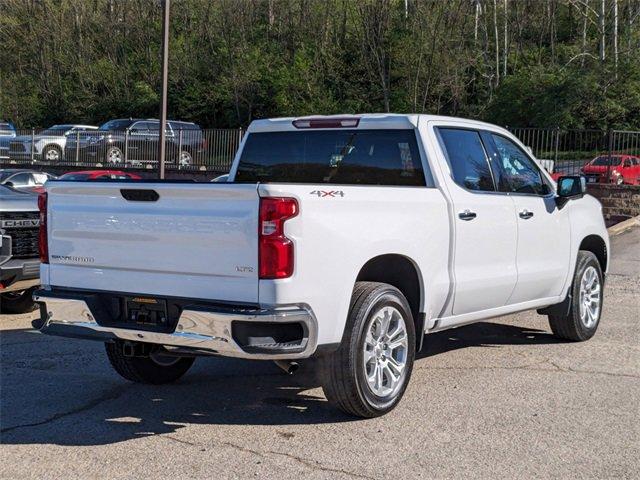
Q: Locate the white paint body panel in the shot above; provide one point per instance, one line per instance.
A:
(190, 242)
(186, 244)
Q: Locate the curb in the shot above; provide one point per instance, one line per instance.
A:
(618, 228)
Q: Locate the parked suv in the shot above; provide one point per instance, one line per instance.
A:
(7, 133)
(342, 238)
(47, 145)
(135, 141)
(622, 169)
(19, 262)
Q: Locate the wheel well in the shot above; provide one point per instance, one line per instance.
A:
(398, 271)
(596, 245)
(54, 145)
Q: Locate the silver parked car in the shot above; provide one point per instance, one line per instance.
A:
(24, 180)
(47, 145)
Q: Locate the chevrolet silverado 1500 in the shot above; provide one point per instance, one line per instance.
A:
(344, 238)
(19, 262)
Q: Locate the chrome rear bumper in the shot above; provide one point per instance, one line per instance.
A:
(200, 331)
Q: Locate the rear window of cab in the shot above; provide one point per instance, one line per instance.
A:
(342, 157)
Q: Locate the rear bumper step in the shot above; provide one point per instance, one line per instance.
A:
(278, 333)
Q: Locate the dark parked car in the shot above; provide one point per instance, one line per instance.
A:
(7, 133)
(135, 141)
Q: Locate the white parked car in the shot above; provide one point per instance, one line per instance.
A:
(47, 145)
(343, 238)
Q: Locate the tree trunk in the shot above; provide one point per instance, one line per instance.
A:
(506, 40)
(497, 40)
(477, 19)
(602, 31)
(584, 32)
(615, 35)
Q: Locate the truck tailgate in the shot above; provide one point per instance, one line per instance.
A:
(195, 240)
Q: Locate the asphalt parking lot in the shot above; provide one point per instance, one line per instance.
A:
(500, 399)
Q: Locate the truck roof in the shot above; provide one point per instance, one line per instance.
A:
(366, 120)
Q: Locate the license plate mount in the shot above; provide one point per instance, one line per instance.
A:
(145, 311)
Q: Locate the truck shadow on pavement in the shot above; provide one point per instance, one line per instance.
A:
(63, 392)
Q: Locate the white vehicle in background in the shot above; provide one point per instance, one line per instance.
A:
(24, 180)
(47, 145)
(345, 238)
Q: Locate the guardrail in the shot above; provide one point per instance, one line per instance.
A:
(188, 149)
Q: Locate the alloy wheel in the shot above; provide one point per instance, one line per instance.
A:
(590, 297)
(385, 352)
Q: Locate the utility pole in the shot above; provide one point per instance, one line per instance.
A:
(166, 4)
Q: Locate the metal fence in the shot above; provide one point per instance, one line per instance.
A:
(568, 152)
(188, 149)
(562, 151)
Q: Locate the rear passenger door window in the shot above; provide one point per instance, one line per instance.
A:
(516, 172)
(467, 159)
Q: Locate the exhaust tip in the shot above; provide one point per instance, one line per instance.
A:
(288, 367)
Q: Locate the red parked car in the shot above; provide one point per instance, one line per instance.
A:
(623, 169)
(100, 175)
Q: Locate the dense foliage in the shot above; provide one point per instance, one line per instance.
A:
(573, 63)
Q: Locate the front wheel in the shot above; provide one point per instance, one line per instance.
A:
(52, 153)
(369, 373)
(114, 156)
(582, 321)
(155, 368)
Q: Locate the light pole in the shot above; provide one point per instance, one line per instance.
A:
(166, 4)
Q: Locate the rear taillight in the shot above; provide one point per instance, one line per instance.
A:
(275, 254)
(43, 248)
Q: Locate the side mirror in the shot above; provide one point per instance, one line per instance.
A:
(8, 184)
(569, 187)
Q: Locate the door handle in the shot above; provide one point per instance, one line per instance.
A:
(525, 214)
(467, 215)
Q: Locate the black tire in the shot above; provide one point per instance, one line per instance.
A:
(572, 327)
(112, 153)
(187, 161)
(51, 148)
(342, 373)
(17, 302)
(146, 369)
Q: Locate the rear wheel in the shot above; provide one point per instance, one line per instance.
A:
(154, 368)
(52, 153)
(17, 302)
(582, 321)
(369, 373)
(185, 159)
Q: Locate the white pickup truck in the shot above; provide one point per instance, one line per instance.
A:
(344, 238)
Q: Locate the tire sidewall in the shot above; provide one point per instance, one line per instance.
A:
(387, 297)
(586, 260)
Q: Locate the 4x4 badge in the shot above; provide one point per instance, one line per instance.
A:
(331, 193)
